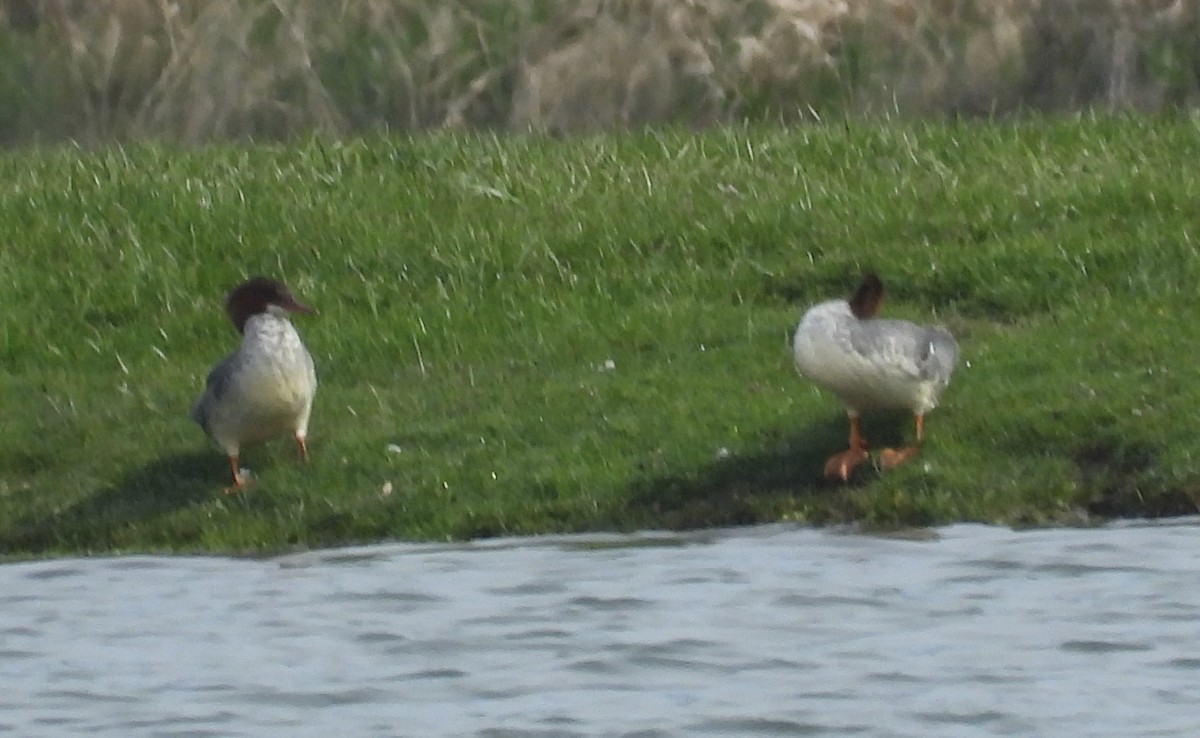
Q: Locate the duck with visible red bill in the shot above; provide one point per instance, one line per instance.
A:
(265, 388)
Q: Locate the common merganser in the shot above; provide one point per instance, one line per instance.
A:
(873, 364)
(266, 387)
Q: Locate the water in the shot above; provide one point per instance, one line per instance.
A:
(770, 631)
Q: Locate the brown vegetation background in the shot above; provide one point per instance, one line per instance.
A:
(201, 70)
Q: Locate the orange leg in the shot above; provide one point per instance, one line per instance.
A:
(841, 465)
(890, 458)
(239, 480)
(302, 447)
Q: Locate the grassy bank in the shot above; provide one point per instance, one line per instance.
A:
(521, 335)
(194, 71)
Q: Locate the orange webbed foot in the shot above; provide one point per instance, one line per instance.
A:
(890, 458)
(841, 466)
(240, 484)
(241, 478)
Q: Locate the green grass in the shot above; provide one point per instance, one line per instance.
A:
(473, 289)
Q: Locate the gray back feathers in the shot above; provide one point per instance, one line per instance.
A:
(926, 352)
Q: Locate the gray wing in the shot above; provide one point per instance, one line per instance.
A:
(940, 354)
(921, 352)
(215, 388)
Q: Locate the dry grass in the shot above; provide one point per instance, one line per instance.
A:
(197, 70)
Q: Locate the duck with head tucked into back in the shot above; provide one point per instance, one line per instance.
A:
(266, 387)
(873, 364)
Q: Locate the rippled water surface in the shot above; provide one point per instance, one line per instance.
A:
(754, 632)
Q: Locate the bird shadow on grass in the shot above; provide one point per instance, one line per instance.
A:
(111, 517)
(783, 475)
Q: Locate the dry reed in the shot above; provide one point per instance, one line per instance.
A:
(190, 71)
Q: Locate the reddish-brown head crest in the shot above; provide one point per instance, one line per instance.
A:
(868, 297)
(255, 295)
